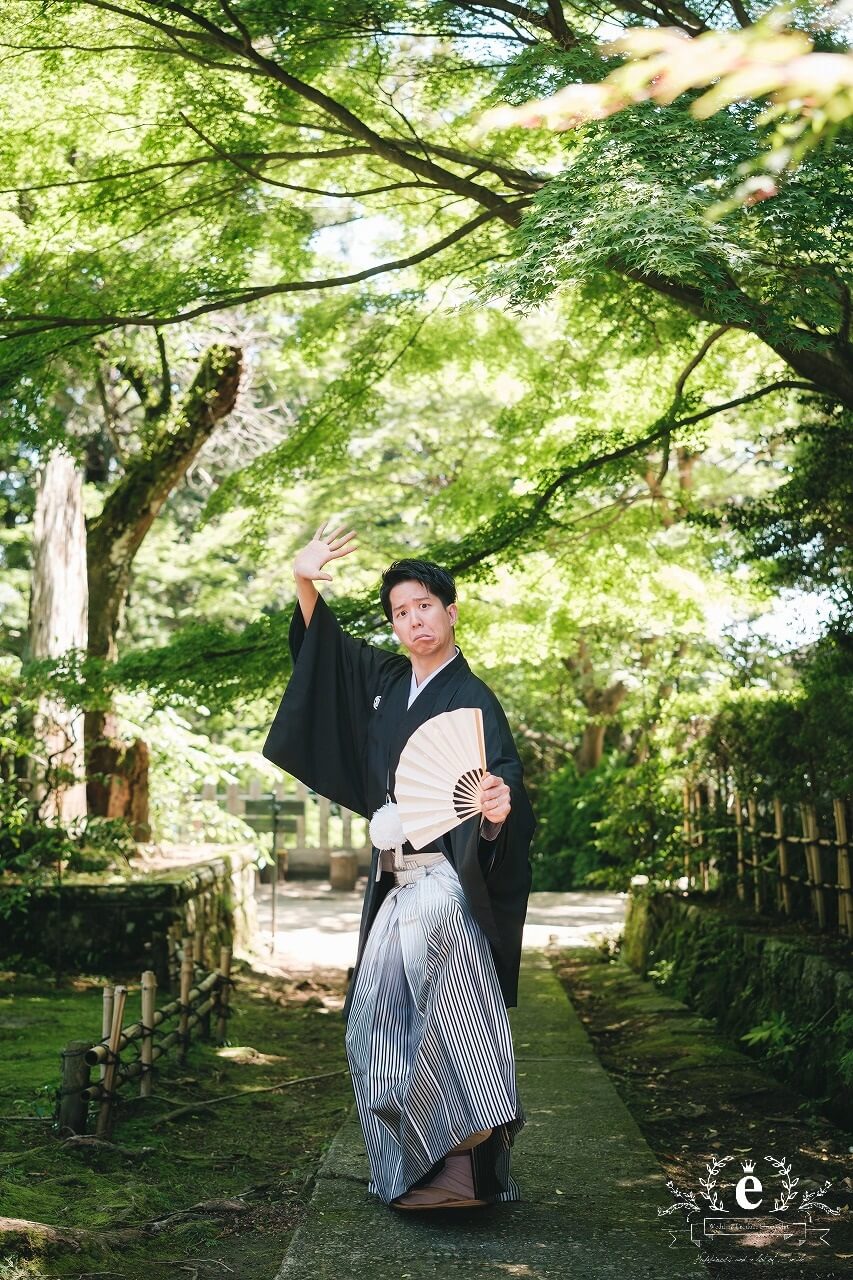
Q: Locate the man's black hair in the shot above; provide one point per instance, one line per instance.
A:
(429, 575)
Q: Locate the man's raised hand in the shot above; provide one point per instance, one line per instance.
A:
(322, 548)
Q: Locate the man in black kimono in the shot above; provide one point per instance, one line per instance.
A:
(347, 712)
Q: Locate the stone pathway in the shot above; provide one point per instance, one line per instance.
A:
(591, 1186)
(319, 926)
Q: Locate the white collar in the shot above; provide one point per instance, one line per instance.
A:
(415, 688)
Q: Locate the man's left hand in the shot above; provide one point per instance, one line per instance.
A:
(495, 802)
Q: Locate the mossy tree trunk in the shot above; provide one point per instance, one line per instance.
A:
(117, 772)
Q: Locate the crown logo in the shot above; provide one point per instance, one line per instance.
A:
(747, 1165)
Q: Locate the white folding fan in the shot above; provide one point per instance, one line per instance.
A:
(437, 782)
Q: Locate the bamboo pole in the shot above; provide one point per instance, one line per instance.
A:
(187, 971)
(741, 869)
(100, 1052)
(810, 836)
(701, 851)
(688, 838)
(782, 850)
(845, 898)
(102, 1127)
(301, 794)
(224, 994)
(198, 934)
(755, 850)
(174, 946)
(106, 1023)
(323, 807)
(146, 1057)
(134, 1069)
(73, 1100)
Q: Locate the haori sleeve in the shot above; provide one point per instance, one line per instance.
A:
(320, 729)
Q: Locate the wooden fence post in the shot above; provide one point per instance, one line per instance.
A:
(755, 855)
(198, 933)
(301, 794)
(187, 973)
(323, 806)
(106, 1022)
(174, 946)
(102, 1128)
(845, 898)
(815, 877)
(699, 837)
(741, 870)
(224, 995)
(146, 1048)
(782, 850)
(687, 831)
(73, 1105)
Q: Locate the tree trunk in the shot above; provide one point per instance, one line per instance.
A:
(601, 705)
(57, 623)
(117, 772)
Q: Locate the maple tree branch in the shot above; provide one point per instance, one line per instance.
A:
(535, 508)
(237, 297)
(354, 126)
(698, 358)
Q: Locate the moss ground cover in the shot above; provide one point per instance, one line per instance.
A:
(252, 1158)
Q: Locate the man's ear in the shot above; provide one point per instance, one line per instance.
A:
(453, 614)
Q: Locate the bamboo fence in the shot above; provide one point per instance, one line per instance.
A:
(790, 858)
(129, 1053)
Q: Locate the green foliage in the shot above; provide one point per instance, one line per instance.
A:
(569, 808)
(573, 464)
(798, 743)
(800, 534)
(600, 828)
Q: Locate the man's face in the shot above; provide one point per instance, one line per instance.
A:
(422, 622)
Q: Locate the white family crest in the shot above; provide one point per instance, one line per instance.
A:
(377, 700)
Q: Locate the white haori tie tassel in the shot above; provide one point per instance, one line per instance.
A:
(386, 832)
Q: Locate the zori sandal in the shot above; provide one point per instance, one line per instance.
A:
(451, 1188)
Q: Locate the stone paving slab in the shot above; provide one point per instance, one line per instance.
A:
(590, 1183)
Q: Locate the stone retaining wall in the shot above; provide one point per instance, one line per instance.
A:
(118, 926)
(732, 966)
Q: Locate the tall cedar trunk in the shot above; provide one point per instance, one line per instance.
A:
(117, 771)
(57, 623)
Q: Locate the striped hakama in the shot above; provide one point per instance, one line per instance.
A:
(428, 1039)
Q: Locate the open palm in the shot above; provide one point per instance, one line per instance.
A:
(322, 548)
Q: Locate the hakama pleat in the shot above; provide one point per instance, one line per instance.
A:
(428, 1041)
